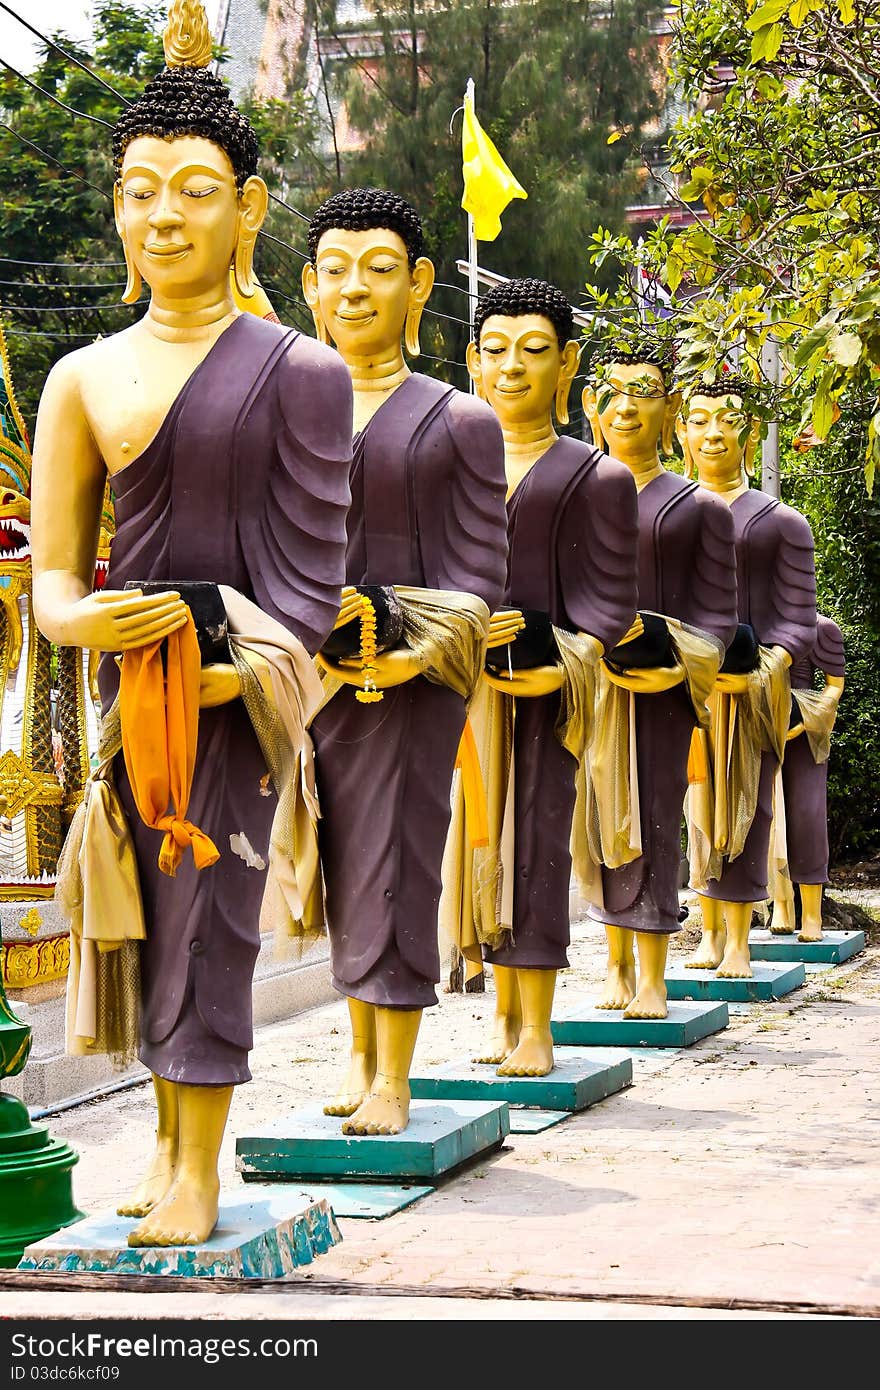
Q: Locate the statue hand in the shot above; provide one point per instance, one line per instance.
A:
(219, 685)
(504, 625)
(530, 682)
(646, 680)
(117, 620)
(389, 668)
(793, 732)
(786, 655)
(732, 683)
(349, 607)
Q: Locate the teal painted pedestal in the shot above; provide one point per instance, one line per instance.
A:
(309, 1145)
(834, 948)
(767, 982)
(684, 1025)
(523, 1121)
(264, 1234)
(575, 1082)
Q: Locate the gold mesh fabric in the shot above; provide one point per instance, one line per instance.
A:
(818, 713)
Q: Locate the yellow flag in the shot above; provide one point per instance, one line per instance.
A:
(488, 183)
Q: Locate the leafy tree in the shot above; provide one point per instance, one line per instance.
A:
(779, 153)
(553, 82)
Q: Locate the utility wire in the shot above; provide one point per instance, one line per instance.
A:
(50, 43)
(12, 131)
(83, 115)
(64, 265)
(66, 308)
(58, 285)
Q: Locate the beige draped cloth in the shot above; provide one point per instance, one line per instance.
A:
(476, 905)
(818, 710)
(745, 723)
(607, 818)
(98, 889)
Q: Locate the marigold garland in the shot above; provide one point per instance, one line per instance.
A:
(369, 695)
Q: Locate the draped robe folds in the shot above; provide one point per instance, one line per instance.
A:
(776, 594)
(804, 780)
(573, 530)
(245, 484)
(687, 570)
(427, 511)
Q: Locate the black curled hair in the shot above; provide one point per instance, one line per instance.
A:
(638, 350)
(515, 298)
(189, 101)
(726, 384)
(362, 209)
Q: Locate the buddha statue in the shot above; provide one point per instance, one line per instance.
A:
(427, 521)
(776, 602)
(687, 595)
(227, 441)
(571, 582)
(803, 784)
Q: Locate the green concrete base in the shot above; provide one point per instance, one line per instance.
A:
(523, 1121)
(684, 1025)
(767, 982)
(834, 948)
(575, 1082)
(261, 1235)
(36, 1193)
(362, 1201)
(307, 1144)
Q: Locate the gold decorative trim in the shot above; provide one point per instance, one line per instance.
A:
(26, 963)
(16, 892)
(10, 391)
(31, 921)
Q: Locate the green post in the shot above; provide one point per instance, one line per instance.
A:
(36, 1193)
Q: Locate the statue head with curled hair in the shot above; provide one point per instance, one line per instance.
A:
(367, 280)
(719, 431)
(187, 196)
(630, 401)
(524, 357)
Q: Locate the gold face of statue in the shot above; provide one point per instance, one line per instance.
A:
(632, 402)
(363, 285)
(520, 361)
(178, 205)
(714, 437)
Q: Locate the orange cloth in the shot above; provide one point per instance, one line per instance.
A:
(474, 788)
(159, 711)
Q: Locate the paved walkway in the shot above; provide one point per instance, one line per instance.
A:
(742, 1172)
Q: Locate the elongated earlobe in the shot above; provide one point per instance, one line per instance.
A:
(310, 293)
(411, 329)
(591, 410)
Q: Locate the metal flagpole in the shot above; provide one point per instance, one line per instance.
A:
(473, 254)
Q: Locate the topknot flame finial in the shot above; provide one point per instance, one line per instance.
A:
(187, 37)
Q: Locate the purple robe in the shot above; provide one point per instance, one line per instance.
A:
(573, 528)
(776, 593)
(427, 511)
(245, 484)
(805, 782)
(687, 570)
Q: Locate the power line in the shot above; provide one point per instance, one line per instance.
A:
(50, 43)
(10, 329)
(83, 115)
(58, 285)
(70, 172)
(66, 308)
(290, 208)
(285, 244)
(63, 265)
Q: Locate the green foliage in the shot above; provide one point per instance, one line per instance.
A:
(552, 86)
(780, 152)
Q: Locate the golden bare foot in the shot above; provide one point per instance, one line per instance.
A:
(186, 1215)
(810, 932)
(505, 1037)
(154, 1186)
(384, 1111)
(357, 1085)
(736, 965)
(709, 953)
(650, 1002)
(780, 923)
(532, 1056)
(620, 987)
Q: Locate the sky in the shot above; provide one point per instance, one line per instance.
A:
(21, 49)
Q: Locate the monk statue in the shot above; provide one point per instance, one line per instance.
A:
(227, 440)
(571, 582)
(776, 602)
(427, 528)
(802, 785)
(687, 597)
